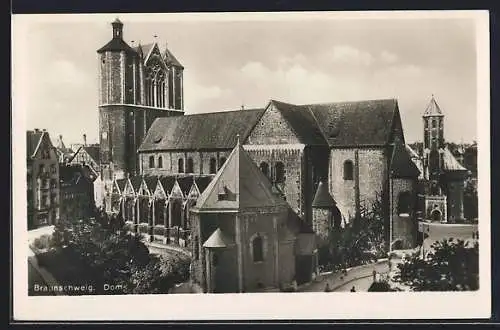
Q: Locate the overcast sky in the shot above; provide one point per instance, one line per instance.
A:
(248, 61)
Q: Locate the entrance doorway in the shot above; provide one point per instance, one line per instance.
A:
(436, 215)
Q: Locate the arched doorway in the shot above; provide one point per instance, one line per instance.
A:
(436, 215)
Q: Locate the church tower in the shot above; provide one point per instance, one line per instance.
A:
(433, 140)
(136, 86)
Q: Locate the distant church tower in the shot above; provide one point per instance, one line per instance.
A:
(433, 140)
(136, 86)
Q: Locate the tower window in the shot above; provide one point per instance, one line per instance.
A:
(404, 203)
(434, 124)
(258, 249)
(280, 172)
(180, 165)
(160, 162)
(348, 170)
(264, 167)
(151, 161)
(213, 165)
(190, 165)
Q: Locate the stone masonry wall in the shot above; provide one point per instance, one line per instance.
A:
(404, 227)
(372, 169)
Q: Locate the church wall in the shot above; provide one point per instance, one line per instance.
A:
(258, 272)
(292, 160)
(372, 168)
(114, 77)
(404, 227)
(201, 161)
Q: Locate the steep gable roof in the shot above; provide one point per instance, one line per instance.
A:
(171, 59)
(361, 123)
(94, 152)
(216, 130)
(238, 185)
(185, 183)
(302, 122)
(203, 181)
(33, 140)
(402, 166)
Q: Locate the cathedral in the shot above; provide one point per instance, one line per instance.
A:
(327, 162)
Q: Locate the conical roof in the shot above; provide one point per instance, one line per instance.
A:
(433, 109)
(323, 198)
(402, 165)
(217, 240)
(238, 185)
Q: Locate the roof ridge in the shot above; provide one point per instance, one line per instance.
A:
(348, 102)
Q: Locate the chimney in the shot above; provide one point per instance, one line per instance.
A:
(85, 140)
(37, 130)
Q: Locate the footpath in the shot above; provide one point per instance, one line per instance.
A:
(338, 279)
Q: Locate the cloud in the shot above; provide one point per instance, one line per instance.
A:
(344, 54)
(64, 72)
(388, 57)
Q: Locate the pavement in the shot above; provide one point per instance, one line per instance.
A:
(357, 276)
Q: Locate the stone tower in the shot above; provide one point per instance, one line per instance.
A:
(136, 86)
(433, 140)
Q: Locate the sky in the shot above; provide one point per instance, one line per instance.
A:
(232, 61)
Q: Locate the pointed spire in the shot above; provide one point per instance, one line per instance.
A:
(433, 108)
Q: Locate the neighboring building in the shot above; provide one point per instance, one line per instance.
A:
(244, 234)
(63, 153)
(87, 155)
(77, 192)
(42, 179)
(136, 86)
(441, 190)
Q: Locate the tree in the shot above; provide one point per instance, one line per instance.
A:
(452, 265)
(360, 241)
(470, 200)
(111, 255)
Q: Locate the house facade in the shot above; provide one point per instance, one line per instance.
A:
(42, 163)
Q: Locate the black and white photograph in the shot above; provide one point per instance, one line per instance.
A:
(261, 165)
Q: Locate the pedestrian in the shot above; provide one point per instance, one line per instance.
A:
(327, 288)
(374, 273)
(353, 289)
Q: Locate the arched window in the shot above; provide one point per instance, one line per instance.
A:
(258, 249)
(434, 123)
(222, 160)
(160, 162)
(280, 172)
(151, 161)
(180, 165)
(190, 166)
(213, 165)
(348, 170)
(264, 167)
(404, 203)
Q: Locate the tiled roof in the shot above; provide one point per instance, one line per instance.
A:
(33, 139)
(151, 181)
(241, 184)
(116, 44)
(185, 183)
(433, 109)
(217, 130)
(136, 182)
(121, 184)
(167, 183)
(323, 198)
(203, 181)
(302, 122)
(170, 59)
(93, 152)
(72, 174)
(450, 163)
(402, 165)
(361, 123)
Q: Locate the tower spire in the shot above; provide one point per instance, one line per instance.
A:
(117, 29)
